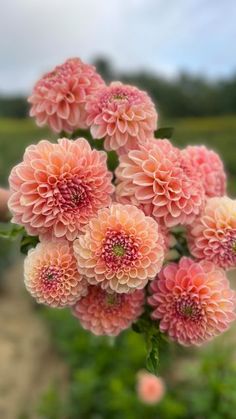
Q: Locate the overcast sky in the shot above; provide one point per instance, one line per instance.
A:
(164, 36)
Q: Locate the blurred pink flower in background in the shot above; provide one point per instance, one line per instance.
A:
(121, 249)
(124, 115)
(59, 187)
(159, 179)
(59, 97)
(106, 313)
(209, 168)
(4, 196)
(51, 274)
(150, 389)
(213, 235)
(193, 301)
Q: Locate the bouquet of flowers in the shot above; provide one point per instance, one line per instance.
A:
(129, 231)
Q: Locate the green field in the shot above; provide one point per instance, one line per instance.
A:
(218, 133)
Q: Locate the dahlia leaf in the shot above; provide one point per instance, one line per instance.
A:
(165, 132)
(10, 231)
(27, 242)
(152, 359)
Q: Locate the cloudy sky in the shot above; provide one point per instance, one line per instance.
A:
(164, 36)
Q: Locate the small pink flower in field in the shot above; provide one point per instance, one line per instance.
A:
(159, 179)
(106, 313)
(209, 168)
(59, 187)
(59, 97)
(213, 234)
(193, 301)
(51, 274)
(121, 249)
(4, 196)
(150, 389)
(124, 115)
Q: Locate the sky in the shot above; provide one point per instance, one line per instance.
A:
(163, 36)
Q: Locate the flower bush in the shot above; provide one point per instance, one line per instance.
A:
(146, 246)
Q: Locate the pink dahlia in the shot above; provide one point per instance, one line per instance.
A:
(124, 115)
(59, 187)
(209, 168)
(159, 179)
(150, 389)
(59, 97)
(213, 234)
(121, 249)
(193, 301)
(4, 196)
(104, 313)
(51, 274)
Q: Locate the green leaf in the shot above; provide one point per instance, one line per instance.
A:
(10, 231)
(27, 242)
(165, 132)
(152, 359)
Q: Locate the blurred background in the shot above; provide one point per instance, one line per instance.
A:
(183, 53)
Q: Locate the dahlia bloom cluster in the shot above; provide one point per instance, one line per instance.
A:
(104, 238)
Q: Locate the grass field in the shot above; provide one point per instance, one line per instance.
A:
(218, 133)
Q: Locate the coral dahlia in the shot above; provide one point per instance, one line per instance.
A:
(59, 187)
(213, 234)
(150, 388)
(209, 168)
(59, 97)
(124, 115)
(121, 249)
(104, 313)
(51, 274)
(192, 300)
(159, 179)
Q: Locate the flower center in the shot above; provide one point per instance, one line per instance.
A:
(112, 299)
(119, 250)
(234, 246)
(119, 96)
(50, 276)
(188, 309)
(71, 194)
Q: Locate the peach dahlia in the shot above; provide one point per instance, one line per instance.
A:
(121, 249)
(124, 115)
(58, 98)
(213, 234)
(51, 274)
(192, 300)
(59, 187)
(104, 313)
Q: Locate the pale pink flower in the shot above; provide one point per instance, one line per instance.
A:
(159, 179)
(59, 187)
(51, 274)
(192, 300)
(213, 234)
(209, 168)
(104, 313)
(59, 97)
(150, 389)
(4, 196)
(124, 115)
(121, 249)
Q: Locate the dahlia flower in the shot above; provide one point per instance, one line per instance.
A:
(121, 249)
(59, 97)
(51, 274)
(209, 168)
(192, 300)
(150, 388)
(104, 313)
(159, 179)
(124, 115)
(59, 187)
(213, 234)
(4, 196)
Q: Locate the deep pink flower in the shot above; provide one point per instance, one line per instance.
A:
(51, 274)
(108, 314)
(150, 389)
(59, 187)
(193, 301)
(213, 234)
(124, 115)
(159, 179)
(121, 249)
(209, 168)
(59, 97)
